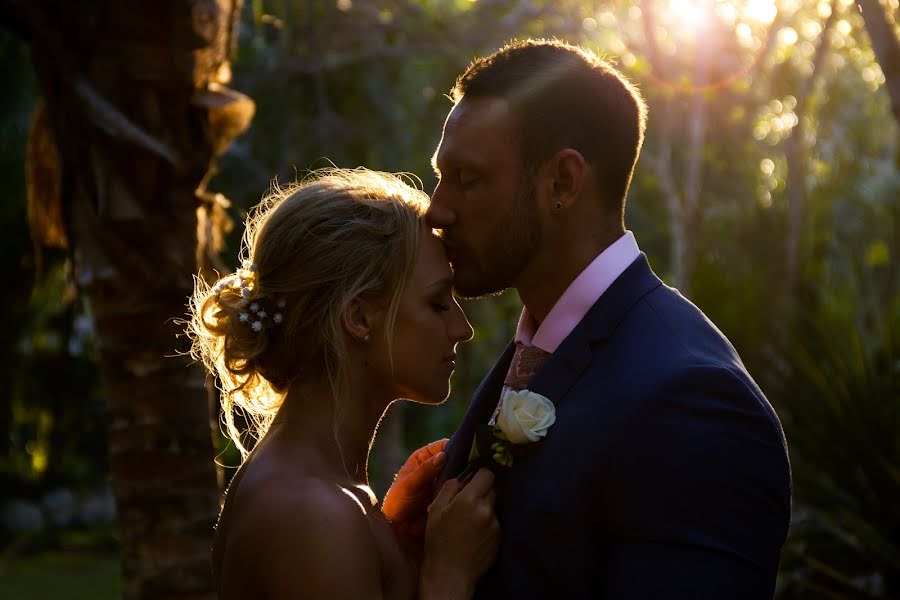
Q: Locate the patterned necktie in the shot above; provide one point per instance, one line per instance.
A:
(525, 363)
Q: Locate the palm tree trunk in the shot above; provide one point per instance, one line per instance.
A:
(138, 110)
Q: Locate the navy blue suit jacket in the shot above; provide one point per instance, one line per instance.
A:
(665, 475)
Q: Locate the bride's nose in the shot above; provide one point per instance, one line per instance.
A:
(460, 329)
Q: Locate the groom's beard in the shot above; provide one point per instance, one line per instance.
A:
(507, 252)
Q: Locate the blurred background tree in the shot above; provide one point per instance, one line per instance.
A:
(133, 110)
(767, 191)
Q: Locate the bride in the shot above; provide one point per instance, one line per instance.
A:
(343, 305)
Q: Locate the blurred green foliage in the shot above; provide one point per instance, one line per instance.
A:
(363, 83)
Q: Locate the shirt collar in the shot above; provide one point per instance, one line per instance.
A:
(579, 297)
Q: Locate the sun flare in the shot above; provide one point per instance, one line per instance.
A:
(691, 16)
(761, 11)
(687, 14)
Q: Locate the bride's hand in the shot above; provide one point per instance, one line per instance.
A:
(462, 537)
(406, 502)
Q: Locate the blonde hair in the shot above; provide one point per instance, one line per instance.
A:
(315, 246)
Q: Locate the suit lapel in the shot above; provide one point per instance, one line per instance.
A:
(484, 401)
(633, 284)
(564, 367)
(573, 356)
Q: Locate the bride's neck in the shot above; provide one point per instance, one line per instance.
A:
(339, 431)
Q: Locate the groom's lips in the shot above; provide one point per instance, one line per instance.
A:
(456, 251)
(452, 251)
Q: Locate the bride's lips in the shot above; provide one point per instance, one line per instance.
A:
(450, 361)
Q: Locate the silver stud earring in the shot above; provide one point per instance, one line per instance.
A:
(366, 339)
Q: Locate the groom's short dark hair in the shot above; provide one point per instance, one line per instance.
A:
(564, 96)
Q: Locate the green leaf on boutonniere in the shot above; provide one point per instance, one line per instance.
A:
(486, 447)
(489, 443)
(491, 449)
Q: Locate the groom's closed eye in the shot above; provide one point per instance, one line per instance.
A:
(468, 178)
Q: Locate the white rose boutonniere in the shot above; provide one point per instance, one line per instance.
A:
(524, 418)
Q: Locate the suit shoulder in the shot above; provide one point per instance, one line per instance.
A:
(675, 363)
(676, 327)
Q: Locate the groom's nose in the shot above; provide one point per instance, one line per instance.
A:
(439, 214)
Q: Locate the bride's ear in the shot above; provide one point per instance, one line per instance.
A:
(357, 319)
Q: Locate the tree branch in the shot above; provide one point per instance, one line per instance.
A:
(795, 155)
(886, 47)
(654, 55)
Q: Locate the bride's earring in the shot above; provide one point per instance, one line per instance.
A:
(366, 339)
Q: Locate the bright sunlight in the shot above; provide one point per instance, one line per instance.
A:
(691, 16)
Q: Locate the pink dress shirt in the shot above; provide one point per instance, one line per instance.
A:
(579, 297)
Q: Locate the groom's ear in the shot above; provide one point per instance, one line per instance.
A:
(567, 170)
(357, 318)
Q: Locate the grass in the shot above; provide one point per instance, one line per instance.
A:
(55, 575)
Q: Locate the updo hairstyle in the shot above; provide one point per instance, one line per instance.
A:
(307, 252)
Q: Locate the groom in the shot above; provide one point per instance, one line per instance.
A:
(665, 473)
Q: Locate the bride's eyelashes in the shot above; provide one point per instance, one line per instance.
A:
(442, 303)
(440, 307)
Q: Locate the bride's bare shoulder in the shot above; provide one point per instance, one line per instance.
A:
(300, 499)
(300, 535)
(271, 503)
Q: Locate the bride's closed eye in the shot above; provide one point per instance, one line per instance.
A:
(440, 306)
(440, 295)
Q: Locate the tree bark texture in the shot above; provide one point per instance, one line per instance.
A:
(137, 108)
